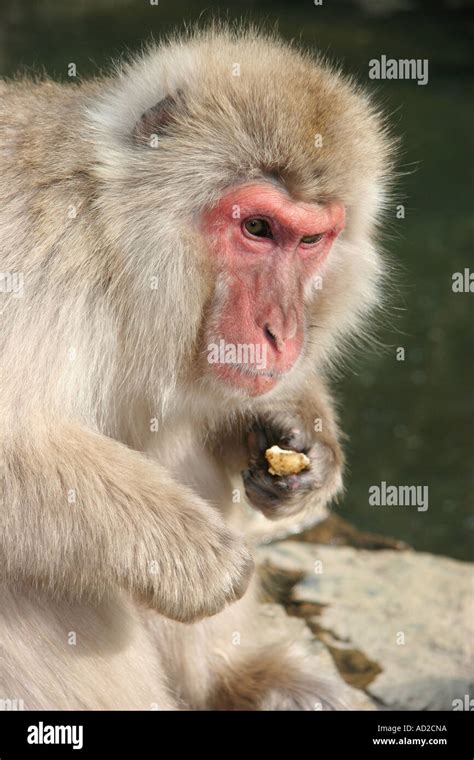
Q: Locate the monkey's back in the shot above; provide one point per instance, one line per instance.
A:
(53, 273)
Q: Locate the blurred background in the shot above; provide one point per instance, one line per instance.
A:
(409, 422)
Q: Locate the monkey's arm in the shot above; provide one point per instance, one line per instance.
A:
(82, 513)
(306, 423)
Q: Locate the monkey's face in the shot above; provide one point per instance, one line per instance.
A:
(230, 191)
(267, 250)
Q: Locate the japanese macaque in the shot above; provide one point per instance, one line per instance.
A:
(186, 247)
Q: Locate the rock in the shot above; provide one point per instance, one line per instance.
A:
(397, 624)
(275, 624)
(337, 531)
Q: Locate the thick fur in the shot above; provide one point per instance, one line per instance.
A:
(117, 448)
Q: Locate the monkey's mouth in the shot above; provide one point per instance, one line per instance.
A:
(249, 371)
(250, 378)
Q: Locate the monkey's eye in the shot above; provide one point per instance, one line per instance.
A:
(258, 228)
(312, 239)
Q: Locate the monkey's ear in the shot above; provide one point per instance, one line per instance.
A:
(154, 122)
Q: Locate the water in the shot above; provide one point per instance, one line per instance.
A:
(410, 422)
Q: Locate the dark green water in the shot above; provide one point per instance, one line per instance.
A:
(410, 422)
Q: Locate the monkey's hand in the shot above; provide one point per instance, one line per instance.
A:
(279, 496)
(131, 526)
(202, 565)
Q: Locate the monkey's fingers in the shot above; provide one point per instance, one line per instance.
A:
(257, 443)
(296, 439)
(276, 495)
(286, 433)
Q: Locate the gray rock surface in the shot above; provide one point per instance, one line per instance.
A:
(399, 625)
(276, 624)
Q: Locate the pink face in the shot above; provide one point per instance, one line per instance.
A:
(268, 248)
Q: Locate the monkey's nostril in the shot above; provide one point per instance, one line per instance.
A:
(270, 335)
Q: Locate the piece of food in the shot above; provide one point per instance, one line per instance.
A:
(285, 461)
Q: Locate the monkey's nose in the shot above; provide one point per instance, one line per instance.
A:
(277, 333)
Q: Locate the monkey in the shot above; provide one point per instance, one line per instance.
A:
(222, 188)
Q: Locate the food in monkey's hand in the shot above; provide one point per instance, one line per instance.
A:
(285, 461)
